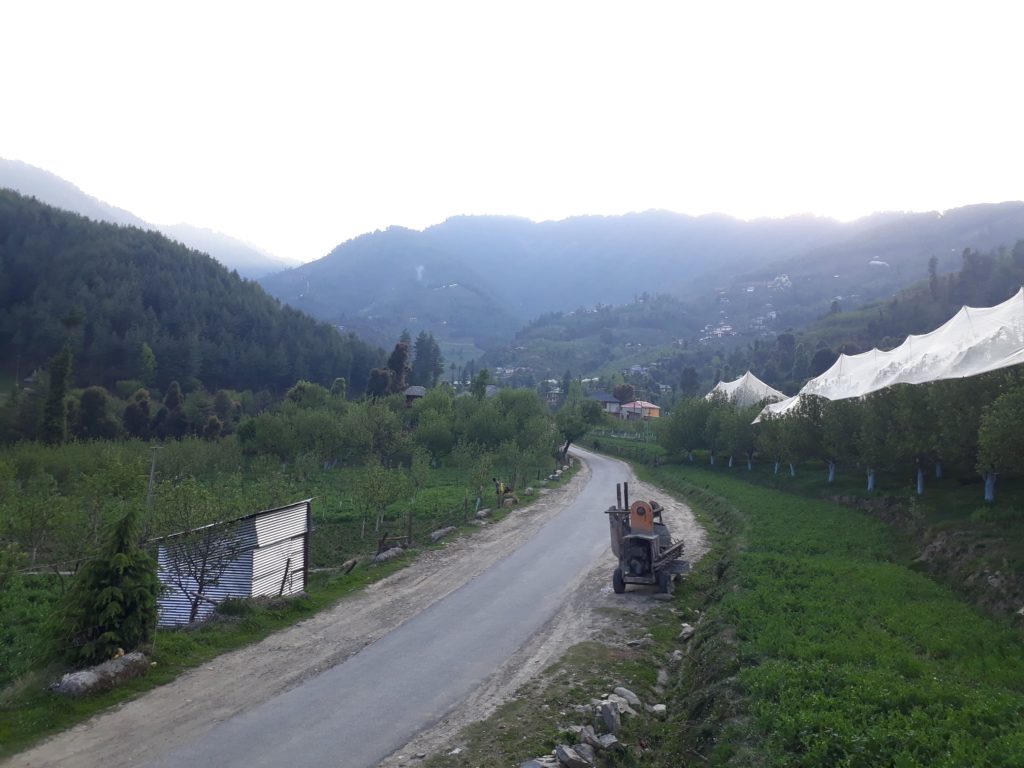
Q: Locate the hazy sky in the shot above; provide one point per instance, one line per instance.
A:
(298, 125)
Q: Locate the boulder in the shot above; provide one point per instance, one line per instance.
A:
(660, 711)
(588, 735)
(482, 513)
(610, 741)
(508, 503)
(440, 533)
(102, 677)
(388, 554)
(676, 658)
(622, 704)
(565, 467)
(529, 490)
(586, 752)
(631, 698)
(552, 477)
(570, 758)
(686, 631)
(611, 717)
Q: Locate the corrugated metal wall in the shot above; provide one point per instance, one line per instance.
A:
(269, 552)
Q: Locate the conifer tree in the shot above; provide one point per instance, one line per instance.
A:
(55, 411)
(112, 602)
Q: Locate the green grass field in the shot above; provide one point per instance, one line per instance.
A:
(825, 646)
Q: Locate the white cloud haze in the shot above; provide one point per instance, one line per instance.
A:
(297, 126)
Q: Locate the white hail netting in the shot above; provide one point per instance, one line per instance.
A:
(975, 340)
(746, 390)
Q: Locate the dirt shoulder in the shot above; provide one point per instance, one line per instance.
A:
(137, 731)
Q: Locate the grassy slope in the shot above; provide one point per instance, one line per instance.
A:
(819, 644)
(843, 653)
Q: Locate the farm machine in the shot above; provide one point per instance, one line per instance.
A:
(642, 543)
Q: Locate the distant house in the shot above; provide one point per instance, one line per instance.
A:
(640, 409)
(609, 403)
(554, 396)
(414, 393)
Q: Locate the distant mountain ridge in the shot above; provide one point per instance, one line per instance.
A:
(51, 189)
(480, 278)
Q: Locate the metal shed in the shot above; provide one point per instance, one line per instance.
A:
(262, 554)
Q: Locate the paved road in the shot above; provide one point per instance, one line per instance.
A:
(357, 713)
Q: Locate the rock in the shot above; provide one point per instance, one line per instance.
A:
(631, 698)
(565, 467)
(529, 490)
(570, 758)
(623, 704)
(587, 753)
(575, 730)
(388, 554)
(552, 477)
(102, 677)
(686, 632)
(544, 761)
(676, 658)
(611, 717)
(610, 741)
(588, 735)
(440, 533)
(663, 678)
(508, 503)
(348, 565)
(584, 709)
(660, 711)
(482, 513)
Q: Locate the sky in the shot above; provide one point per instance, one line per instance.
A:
(296, 126)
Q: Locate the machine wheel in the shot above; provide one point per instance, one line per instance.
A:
(665, 582)
(617, 583)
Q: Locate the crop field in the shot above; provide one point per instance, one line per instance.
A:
(837, 650)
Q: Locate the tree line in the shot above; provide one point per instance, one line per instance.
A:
(963, 427)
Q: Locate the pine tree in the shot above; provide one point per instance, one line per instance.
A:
(112, 602)
(55, 411)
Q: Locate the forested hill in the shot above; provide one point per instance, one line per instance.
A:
(53, 190)
(113, 289)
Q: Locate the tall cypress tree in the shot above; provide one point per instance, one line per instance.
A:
(112, 602)
(55, 412)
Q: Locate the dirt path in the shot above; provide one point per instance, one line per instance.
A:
(137, 731)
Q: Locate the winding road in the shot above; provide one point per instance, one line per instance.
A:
(356, 713)
(397, 668)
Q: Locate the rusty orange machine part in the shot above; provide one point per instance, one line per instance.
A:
(641, 517)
